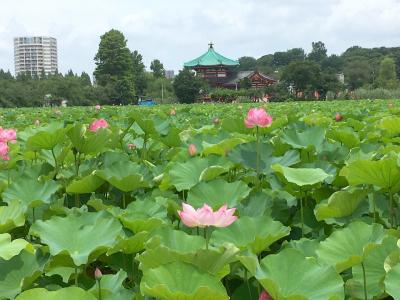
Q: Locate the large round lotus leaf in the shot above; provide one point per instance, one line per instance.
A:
(20, 272)
(348, 247)
(374, 271)
(144, 216)
(112, 287)
(186, 175)
(312, 136)
(246, 154)
(340, 204)
(255, 234)
(390, 125)
(68, 293)
(130, 245)
(383, 173)
(87, 184)
(124, 176)
(169, 245)
(345, 136)
(30, 192)
(217, 193)
(10, 248)
(301, 176)
(12, 216)
(46, 139)
(147, 125)
(88, 142)
(392, 280)
(222, 147)
(289, 275)
(83, 236)
(181, 281)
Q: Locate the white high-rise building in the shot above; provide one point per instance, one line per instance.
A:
(35, 55)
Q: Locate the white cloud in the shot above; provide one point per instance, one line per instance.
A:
(178, 30)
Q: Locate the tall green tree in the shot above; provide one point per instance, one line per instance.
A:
(302, 75)
(187, 86)
(387, 74)
(139, 73)
(114, 67)
(157, 68)
(247, 63)
(357, 73)
(318, 52)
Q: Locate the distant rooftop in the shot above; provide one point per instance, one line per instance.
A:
(211, 58)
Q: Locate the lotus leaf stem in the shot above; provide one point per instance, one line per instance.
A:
(301, 214)
(100, 296)
(364, 282)
(76, 276)
(246, 278)
(55, 160)
(258, 158)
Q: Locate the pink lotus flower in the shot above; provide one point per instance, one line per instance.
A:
(338, 117)
(257, 117)
(97, 107)
(205, 216)
(8, 135)
(265, 296)
(4, 149)
(97, 124)
(131, 146)
(98, 274)
(192, 149)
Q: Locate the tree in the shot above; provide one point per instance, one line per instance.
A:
(247, 63)
(158, 68)
(282, 59)
(387, 74)
(186, 86)
(245, 83)
(357, 73)
(139, 73)
(302, 75)
(114, 67)
(318, 52)
(86, 79)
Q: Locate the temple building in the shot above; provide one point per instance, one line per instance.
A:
(222, 72)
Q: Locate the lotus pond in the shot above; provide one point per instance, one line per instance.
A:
(92, 212)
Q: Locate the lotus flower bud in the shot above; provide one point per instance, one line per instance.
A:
(98, 274)
(216, 121)
(131, 146)
(338, 117)
(264, 296)
(97, 107)
(172, 112)
(192, 150)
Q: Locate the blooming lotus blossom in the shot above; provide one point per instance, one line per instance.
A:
(338, 117)
(97, 124)
(8, 135)
(205, 216)
(98, 274)
(4, 149)
(264, 296)
(97, 107)
(192, 149)
(257, 117)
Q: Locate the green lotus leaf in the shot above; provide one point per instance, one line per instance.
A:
(144, 216)
(306, 246)
(61, 265)
(301, 176)
(311, 136)
(340, 204)
(172, 139)
(217, 193)
(212, 172)
(130, 245)
(390, 125)
(46, 140)
(19, 272)
(348, 247)
(391, 282)
(222, 147)
(9, 248)
(374, 271)
(68, 293)
(124, 176)
(384, 173)
(30, 192)
(246, 154)
(169, 245)
(181, 281)
(112, 288)
(345, 136)
(290, 275)
(147, 125)
(12, 216)
(88, 142)
(186, 175)
(83, 236)
(255, 234)
(87, 184)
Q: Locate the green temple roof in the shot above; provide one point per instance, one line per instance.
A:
(211, 58)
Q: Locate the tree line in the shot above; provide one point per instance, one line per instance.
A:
(121, 77)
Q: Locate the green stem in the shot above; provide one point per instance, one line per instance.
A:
(391, 208)
(33, 215)
(258, 158)
(374, 204)
(301, 214)
(123, 200)
(364, 282)
(144, 150)
(8, 177)
(247, 283)
(76, 275)
(100, 296)
(77, 200)
(206, 236)
(55, 160)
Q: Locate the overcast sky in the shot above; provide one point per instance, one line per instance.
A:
(176, 31)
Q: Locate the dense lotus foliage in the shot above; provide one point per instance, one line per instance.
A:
(193, 203)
